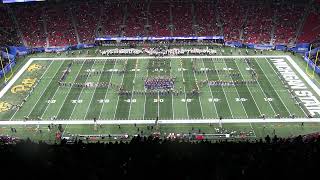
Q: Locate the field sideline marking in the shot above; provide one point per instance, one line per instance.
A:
(30, 94)
(170, 121)
(15, 78)
(304, 76)
(45, 89)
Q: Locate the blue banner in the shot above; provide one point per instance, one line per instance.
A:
(159, 38)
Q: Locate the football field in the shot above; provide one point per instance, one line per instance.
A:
(91, 90)
(111, 90)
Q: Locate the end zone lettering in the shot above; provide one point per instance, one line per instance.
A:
(310, 102)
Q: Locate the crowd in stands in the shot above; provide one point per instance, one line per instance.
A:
(182, 19)
(154, 158)
(288, 19)
(8, 32)
(61, 32)
(206, 19)
(136, 19)
(311, 29)
(257, 29)
(86, 16)
(31, 25)
(74, 22)
(158, 19)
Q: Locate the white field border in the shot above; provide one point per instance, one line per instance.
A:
(185, 121)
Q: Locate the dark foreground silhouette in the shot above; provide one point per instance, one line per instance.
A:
(153, 158)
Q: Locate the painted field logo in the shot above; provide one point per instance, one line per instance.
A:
(4, 106)
(34, 67)
(25, 86)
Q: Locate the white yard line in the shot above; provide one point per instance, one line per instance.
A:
(134, 81)
(244, 109)
(145, 96)
(106, 94)
(94, 92)
(195, 78)
(68, 92)
(262, 90)
(248, 89)
(225, 95)
(45, 89)
(184, 88)
(171, 93)
(114, 114)
(75, 107)
(214, 103)
(273, 86)
(266, 95)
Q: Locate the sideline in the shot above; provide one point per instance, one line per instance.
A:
(181, 121)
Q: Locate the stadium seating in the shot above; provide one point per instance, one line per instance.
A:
(311, 30)
(206, 19)
(288, 19)
(182, 19)
(232, 16)
(59, 25)
(136, 18)
(258, 30)
(159, 20)
(31, 25)
(86, 17)
(111, 19)
(8, 31)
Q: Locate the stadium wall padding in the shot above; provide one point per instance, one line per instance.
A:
(311, 64)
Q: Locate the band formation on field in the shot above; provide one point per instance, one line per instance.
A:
(177, 89)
